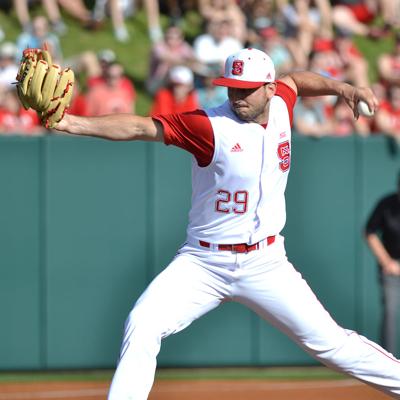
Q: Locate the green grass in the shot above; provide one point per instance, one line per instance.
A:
(371, 49)
(281, 373)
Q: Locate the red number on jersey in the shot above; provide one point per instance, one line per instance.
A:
(240, 197)
(284, 155)
(240, 200)
(222, 204)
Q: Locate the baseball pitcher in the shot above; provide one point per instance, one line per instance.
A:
(234, 250)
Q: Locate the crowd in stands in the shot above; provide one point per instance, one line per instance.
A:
(297, 34)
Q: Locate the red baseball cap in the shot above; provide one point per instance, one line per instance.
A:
(247, 69)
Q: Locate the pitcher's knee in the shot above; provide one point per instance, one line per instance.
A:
(340, 351)
(143, 325)
(141, 334)
(354, 353)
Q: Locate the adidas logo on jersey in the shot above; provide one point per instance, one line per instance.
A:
(236, 148)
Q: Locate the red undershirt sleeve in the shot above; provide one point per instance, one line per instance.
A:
(191, 131)
(289, 97)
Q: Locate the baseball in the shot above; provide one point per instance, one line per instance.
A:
(363, 109)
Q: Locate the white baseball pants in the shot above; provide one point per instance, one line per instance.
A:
(199, 279)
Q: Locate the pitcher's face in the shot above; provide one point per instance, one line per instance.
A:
(252, 105)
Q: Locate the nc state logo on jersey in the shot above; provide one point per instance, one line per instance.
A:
(237, 67)
(284, 155)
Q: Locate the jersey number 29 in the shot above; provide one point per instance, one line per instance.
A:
(232, 202)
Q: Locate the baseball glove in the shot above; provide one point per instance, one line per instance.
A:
(44, 86)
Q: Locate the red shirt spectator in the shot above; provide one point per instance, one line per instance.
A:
(179, 96)
(124, 84)
(392, 115)
(388, 116)
(344, 123)
(111, 96)
(23, 122)
(166, 103)
(15, 119)
(78, 105)
(98, 72)
(326, 60)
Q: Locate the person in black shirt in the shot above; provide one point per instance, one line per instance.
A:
(383, 238)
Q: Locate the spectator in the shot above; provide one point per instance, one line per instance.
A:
(14, 119)
(382, 233)
(275, 46)
(176, 9)
(109, 96)
(356, 16)
(97, 70)
(339, 59)
(389, 64)
(387, 118)
(78, 102)
(381, 94)
(311, 118)
(179, 96)
(344, 124)
(304, 19)
(8, 66)
(153, 20)
(208, 94)
(354, 64)
(326, 61)
(225, 10)
(53, 12)
(213, 47)
(120, 9)
(260, 14)
(97, 66)
(38, 37)
(172, 50)
(77, 9)
(93, 65)
(380, 91)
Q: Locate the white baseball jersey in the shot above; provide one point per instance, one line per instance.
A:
(229, 204)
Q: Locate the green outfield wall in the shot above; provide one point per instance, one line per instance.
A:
(85, 224)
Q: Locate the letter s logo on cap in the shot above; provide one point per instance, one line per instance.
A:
(237, 67)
